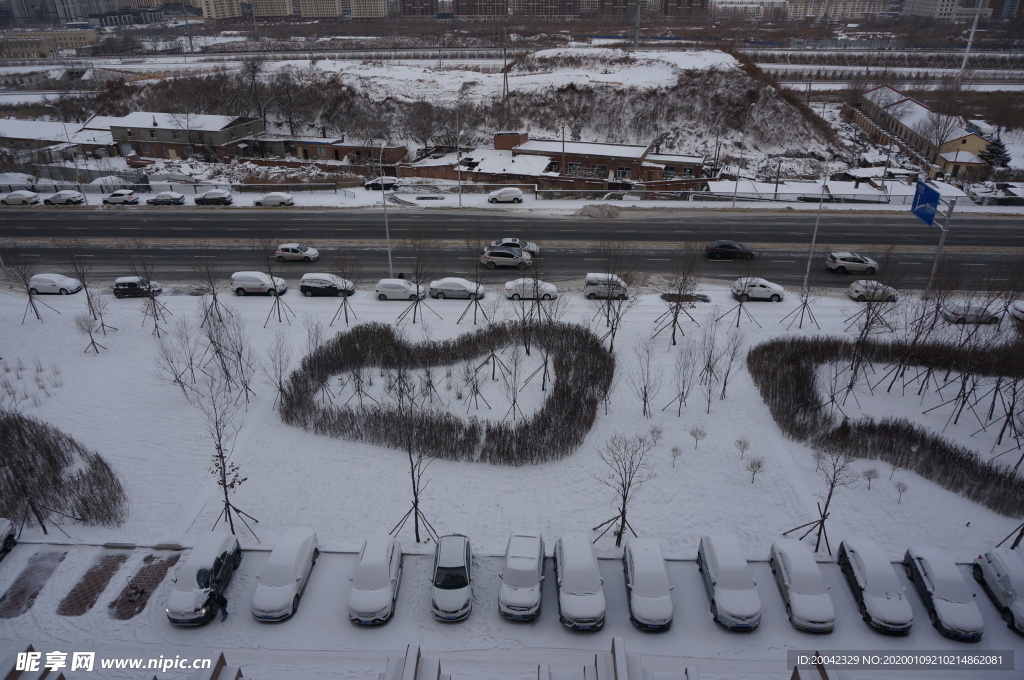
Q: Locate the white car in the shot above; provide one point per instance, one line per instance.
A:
(844, 262)
(285, 575)
(521, 577)
(530, 247)
(256, 283)
(808, 604)
(275, 199)
(67, 197)
(167, 198)
(1016, 310)
(452, 597)
(519, 289)
(20, 197)
(971, 311)
(581, 603)
(375, 581)
(7, 540)
(399, 289)
(862, 291)
(1001, 572)
(506, 195)
(296, 252)
(951, 607)
(881, 597)
(752, 288)
(205, 573)
(734, 600)
(122, 197)
(647, 586)
(455, 287)
(53, 284)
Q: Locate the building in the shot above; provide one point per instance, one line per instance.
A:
(173, 135)
(272, 8)
(418, 8)
(747, 9)
(320, 9)
(45, 44)
(215, 11)
(947, 10)
(684, 8)
(821, 10)
(481, 10)
(554, 10)
(128, 16)
(369, 10)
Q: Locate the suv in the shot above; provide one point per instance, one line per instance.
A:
(650, 602)
(840, 263)
(734, 601)
(135, 286)
(606, 286)
(204, 575)
(1001, 572)
(296, 252)
(521, 577)
(581, 604)
(452, 599)
(243, 283)
(215, 197)
(498, 256)
(122, 197)
(880, 595)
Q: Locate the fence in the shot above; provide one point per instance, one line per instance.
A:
(180, 187)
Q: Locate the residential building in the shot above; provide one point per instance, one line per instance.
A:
(128, 16)
(821, 10)
(749, 9)
(215, 11)
(273, 8)
(481, 10)
(555, 10)
(947, 10)
(323, 9)
(369, 10)
(173, 135)
(418, 8)
(45, 44)
(684, 8)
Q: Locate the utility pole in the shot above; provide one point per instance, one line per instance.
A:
(970, 40)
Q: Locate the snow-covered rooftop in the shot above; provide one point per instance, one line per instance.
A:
(959, 156)
(668, 159)
(556, 146)
(176, 121)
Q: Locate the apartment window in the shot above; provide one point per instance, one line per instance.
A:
(670, 171)
(575, 168)
(152, 134)
(232, 134)
(322, 151)
(145, 148)
(176, 135)
(600, 170)
(188, 150)
(130, 132)
(248, 129)
(622, 173)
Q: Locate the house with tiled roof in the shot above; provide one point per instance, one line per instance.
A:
(181, 135)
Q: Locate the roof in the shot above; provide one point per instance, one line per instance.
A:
(451, 550)
(959, 156)
(665, 159)
(555, 146)
(177, 121)
(209, 547)
(51, 131)
(490, 161)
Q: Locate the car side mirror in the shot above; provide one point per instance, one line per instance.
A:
(257, 577)
(541, 578)
(671, 587)
(393, 581)
(174, 580)
(602, 579)
(298, 578)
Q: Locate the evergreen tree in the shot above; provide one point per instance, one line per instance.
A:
(995, 154)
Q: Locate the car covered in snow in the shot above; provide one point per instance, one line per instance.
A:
(647, 586)
(204, 575)
(512, 242)
(521, 577)
(868, 290)
(452, 596)
(167, 198)
(808, 604)
(456, 287)
(7, 539)
(506, 195)
(581, 603)
(285, 575)
(951, 607)
(753, 288)
(1001, 572)
(375, 581)
(256, 283)
(215, 197)
(66, 197)
(735, 603)
(519, 289)
(399, 289)
(275, 199)
(53, 284)
(971, 311)
(20, 197)
(881, 598)
(1016, 310)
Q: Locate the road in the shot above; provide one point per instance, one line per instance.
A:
(985, 247)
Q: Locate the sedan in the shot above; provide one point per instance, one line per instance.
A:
(751, 288)
(296, 252)
(881, 598)
(375, 582)
(167, 198)
(454, 287)
(7, 539)
(399, 289)
(122, 197)
(951, 606)
(1001, 572)
(378, 183)
(20, 197)
(215, 197)
(729, 249)
(808, 603)
(532, 248)
(844, 262)
(66, 197)
(1016, 310)
(452, 597)
(521, 577)
(650, 602)
(285, 575)
(518, 289)
(275, 199)
(862, 291)
(53, 284)
(968, 311)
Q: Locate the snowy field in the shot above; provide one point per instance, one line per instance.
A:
(114, 403)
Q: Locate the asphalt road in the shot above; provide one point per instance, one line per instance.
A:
(984, 247)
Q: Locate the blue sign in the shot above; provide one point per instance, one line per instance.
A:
(926, 203)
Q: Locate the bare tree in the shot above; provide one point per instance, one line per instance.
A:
(679, 294)
(755, 465)
(424, 255)
(209, 275)
(835, 467)
(20, 270)
(86, 325)
(263, 249)
(742, 444)
(629, 468)
(698, 433)
(79, 266)
(152, 308)
(870, 474)
(676, 452)
(711, 369)
(938, 129)
(729, 361)
(277, 364)
(645, 381)
(683, 377)
(901, 488)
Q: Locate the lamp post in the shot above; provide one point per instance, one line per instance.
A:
(384, 200)
(458, 161)
(74, 158)
(736, 187)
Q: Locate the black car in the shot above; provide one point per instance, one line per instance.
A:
(214, 197)
(378, 183)
(729, 249)
(136, 286)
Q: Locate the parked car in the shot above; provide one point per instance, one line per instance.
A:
(518, 289)
(647, 586)
(734, 600)
(247, 283)
(53, 284)
(844, 262)
(375, 581)
(862, 291)
(601, 285)
(880, 596)
(1016, 310)
(215, 197)
(167, 198)
(752, 288)
(581, 604)
(285, 575)
(66, 197)
(399, 289)
(728, 250)
(325, 284)
(122, 197)
(7, 539)
(296, 252)
(506, 195)
(951, 607)
(454, 287)
(205, 573)
(135, 286)
(1001, 572)
(275, 199)
(378, 183)
(20, 197)
(532, 248)
(808, 604)
(452, 598)
(496, 256)
(971, 311)
(521, 578)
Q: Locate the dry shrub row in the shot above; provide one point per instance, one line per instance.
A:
(582, 370)
(785, 369)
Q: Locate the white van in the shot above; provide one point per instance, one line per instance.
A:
(256, 283)
(605, 286)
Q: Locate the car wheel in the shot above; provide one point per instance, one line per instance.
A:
(106, 202)
(307, 293)
(1008, 617)
(993, 319)
(258, 204)
(272, 292)
(545, 296)
(717, 256)
(236, 561)
(47, 202)
(978, 575)
(517, 200)
(744, 297)
(521, 265)
(440, 295)
(492, 200)
(4, 202)
(63, 291)
(861, 298)
(714, 610)
(962, 320)
(306, 259)
(491, 265)
(33, 291)
(869, 271)
(775, 298)
(240, 292)
(910, 572)
(412, 298)
(748, 256)
(118, 294)
(789, 612)
(620, 296)
(9, 543)
(864, 613)
(840, 270)
(382, 297)
(933, 617)
(592, 296)
(891, 298)
(280, 258)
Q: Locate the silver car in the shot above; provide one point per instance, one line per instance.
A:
(20, 197)
(455, 287)
(399, 289)
(122, 197)
(854, 263)
(452, 598)
(497, 256)
(275, 199)
(66, 197)
(518, 289)
(375, 581)
(734, 600)
(53, 284)
(808, 604)
(865, 290)
(650, 598)
(581, 603)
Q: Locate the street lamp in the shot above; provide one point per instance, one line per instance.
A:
(458, 161)
(736, 187)
(74, 158)
(384, 200)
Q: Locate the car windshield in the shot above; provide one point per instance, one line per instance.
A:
(450, 578)
(370, 576)
(302, 249)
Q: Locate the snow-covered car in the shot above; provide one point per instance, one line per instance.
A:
(285, 575)
(7, 540)
(256, 283)
(122, 197)
(452, 596)
(522, 576)
(647, 586)
(808, 604)
(275, 199)
(205, 573)
(734, 600)
(1016, 310)
(135, 286)
(53, 284)
(604, 285)
(296, 252)
(971, 311)
(581, 603)
(325, 284)
(20, 197)
(518, 289)
(1001, 572)
(167, 198)
(496, 256)
(865, 290)
(506, 195)
(215, 197)
(455, 287)
(530, 247)
(375, 581)
(854, 263)
(951, 607)
(753, 288)
(66, 197)
(398, 289)
(378, 183)
(880, 596)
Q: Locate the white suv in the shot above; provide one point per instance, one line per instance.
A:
(581, 604)
(1001, 571)
(519, 596)
(844, 262)
(244, 283)
(122, 197)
